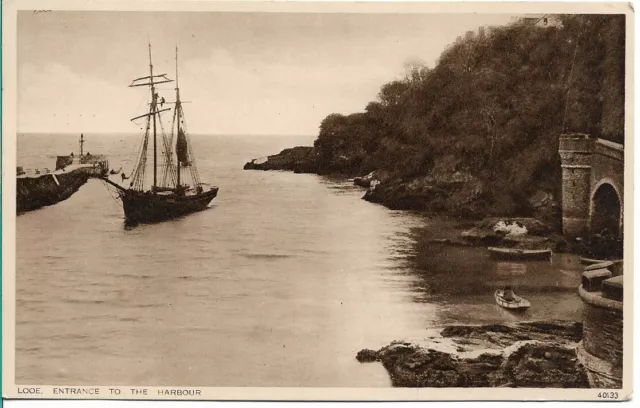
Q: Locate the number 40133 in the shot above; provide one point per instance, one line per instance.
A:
(608, 395)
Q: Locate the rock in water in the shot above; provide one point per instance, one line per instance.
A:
(300, 159)
(367, 356)
(530, 354)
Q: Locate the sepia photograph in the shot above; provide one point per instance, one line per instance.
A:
(316, 201)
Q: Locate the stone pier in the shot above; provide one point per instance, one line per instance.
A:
(592, 185)
(601, 348)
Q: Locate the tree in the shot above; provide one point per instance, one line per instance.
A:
(497, 100)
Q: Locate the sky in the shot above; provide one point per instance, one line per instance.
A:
(243, 73)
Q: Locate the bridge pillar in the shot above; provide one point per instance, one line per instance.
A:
(575, 153)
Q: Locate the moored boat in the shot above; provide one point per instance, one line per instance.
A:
(516, 303)
(521, 254)
(178, 190)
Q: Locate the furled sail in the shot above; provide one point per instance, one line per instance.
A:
(182, 149)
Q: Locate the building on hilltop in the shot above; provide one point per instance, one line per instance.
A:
(539, 20)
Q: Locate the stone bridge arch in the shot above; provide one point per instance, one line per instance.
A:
(607, 208)
(592, 185)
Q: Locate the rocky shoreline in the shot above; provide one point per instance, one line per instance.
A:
(455, 194)
(526, 354)
(443, 190)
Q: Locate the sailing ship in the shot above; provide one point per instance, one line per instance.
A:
(176, 189)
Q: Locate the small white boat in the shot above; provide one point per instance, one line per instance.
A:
(517, 303)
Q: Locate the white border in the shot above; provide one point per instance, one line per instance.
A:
(224, 393)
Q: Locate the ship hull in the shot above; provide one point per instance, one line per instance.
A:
(147, 207)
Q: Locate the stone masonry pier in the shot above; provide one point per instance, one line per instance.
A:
(600, 350)
(592, 185)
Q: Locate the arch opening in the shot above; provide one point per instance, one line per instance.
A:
(605, 219)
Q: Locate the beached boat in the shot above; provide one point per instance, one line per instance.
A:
(590, 261)
(521, 254)
(517, 303)
(616, 266)
(171, 193)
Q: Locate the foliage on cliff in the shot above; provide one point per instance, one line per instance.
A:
(492, 107)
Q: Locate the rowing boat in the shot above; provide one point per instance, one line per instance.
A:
(521, 254)
(518, 303)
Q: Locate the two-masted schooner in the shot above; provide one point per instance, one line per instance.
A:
(176, 189)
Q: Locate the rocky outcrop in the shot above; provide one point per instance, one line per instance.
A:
(546, 207)
(300, 159)
(512, 232)
(404, 195)
(426, 193)
(372, 179)
(365, 181)
(527, 354)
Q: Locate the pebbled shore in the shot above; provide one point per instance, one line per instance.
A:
(526, 354)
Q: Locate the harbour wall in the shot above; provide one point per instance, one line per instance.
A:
(601, 349)
(41, 190)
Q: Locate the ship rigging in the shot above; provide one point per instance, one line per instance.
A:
(177, 190)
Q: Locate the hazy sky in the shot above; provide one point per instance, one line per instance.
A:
(245, 73)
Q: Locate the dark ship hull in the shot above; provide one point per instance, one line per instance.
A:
(147, 207)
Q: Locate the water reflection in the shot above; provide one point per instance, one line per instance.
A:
(510, 268)
(462, 280)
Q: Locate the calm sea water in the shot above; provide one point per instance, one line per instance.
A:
(280, 283)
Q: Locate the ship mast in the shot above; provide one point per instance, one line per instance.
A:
(138, 175)
(153, 111)
(178, 109)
